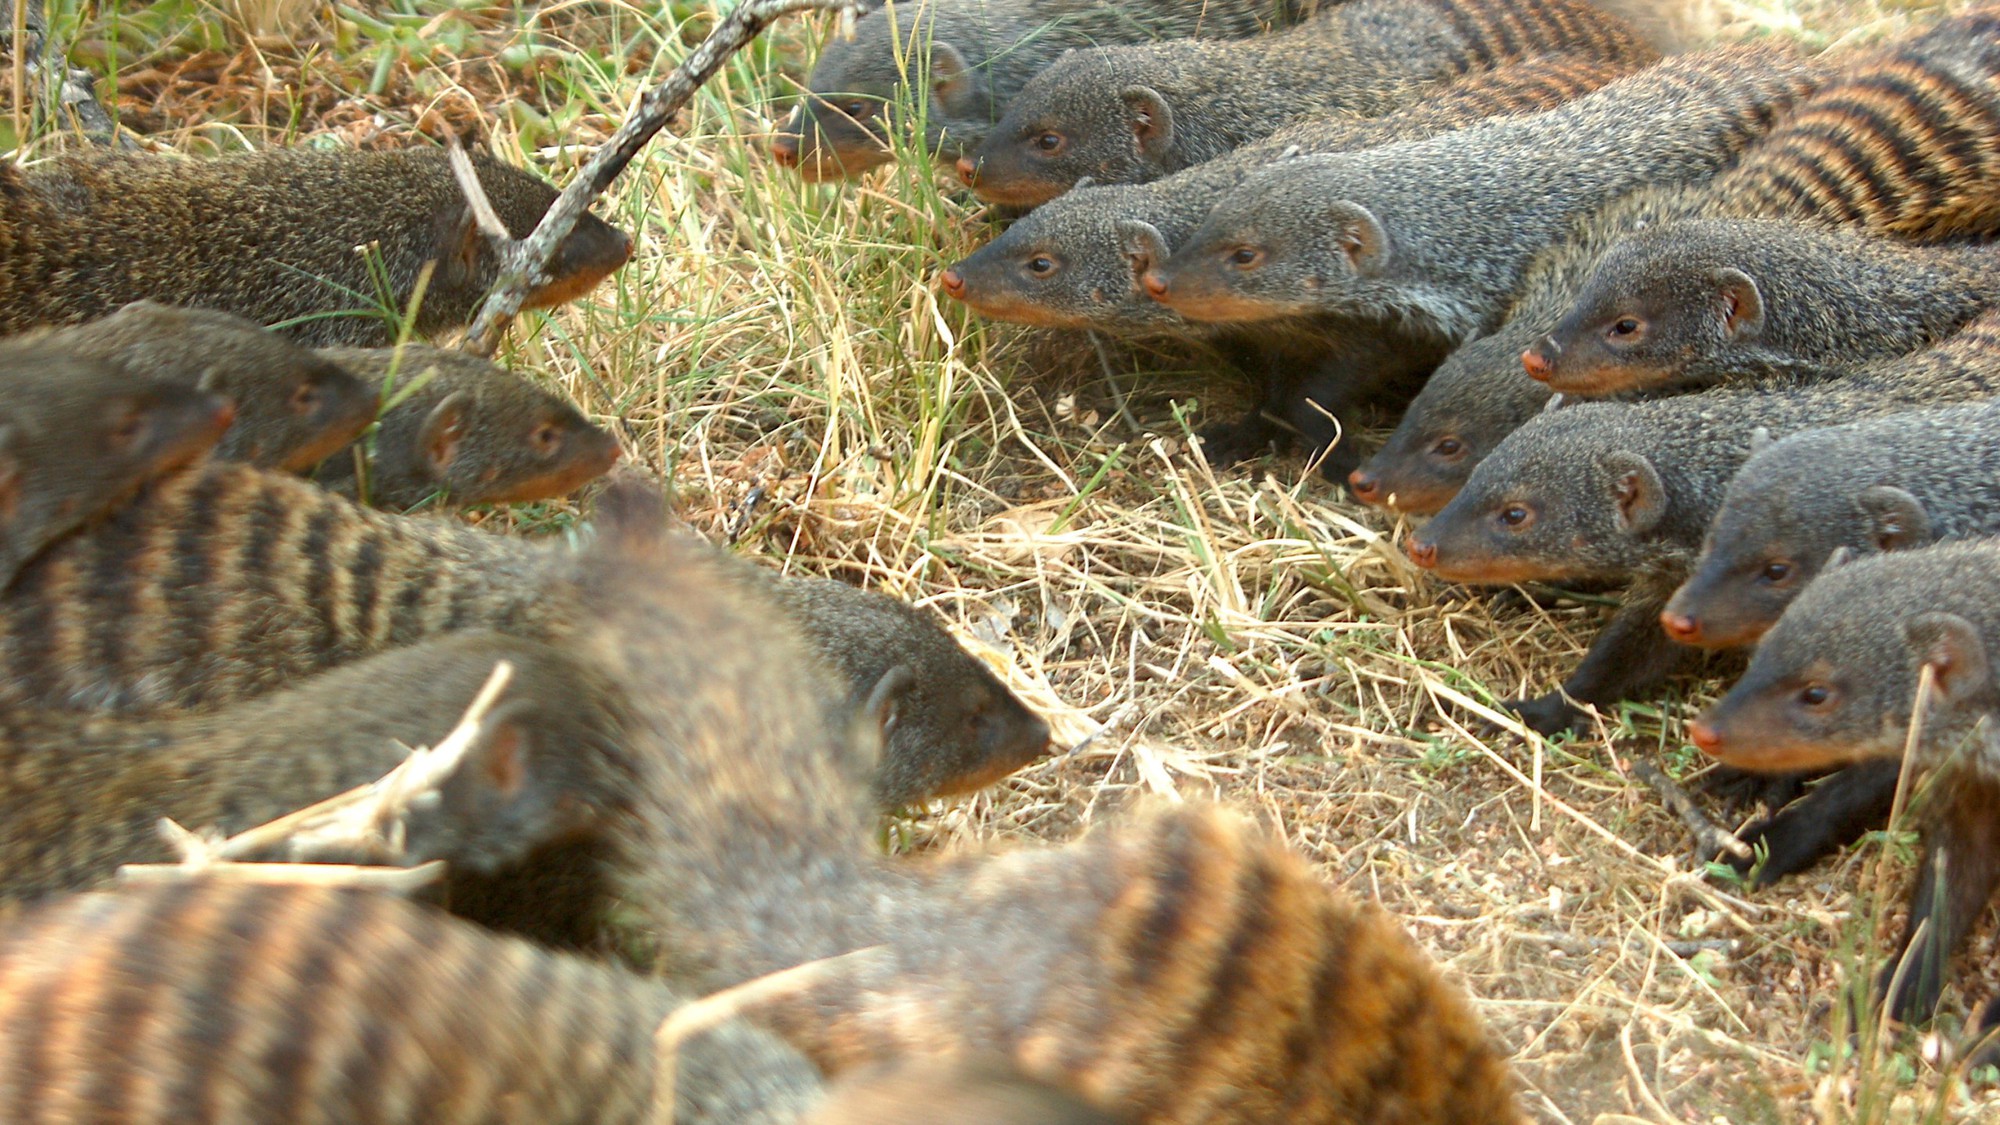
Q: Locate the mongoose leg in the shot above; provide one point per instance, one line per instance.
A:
(1832, 814)
(1961, 870)
(1629, 658)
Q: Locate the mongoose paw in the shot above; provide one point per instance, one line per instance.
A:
(1226, 443)
(1745, 789)
(1547, 715)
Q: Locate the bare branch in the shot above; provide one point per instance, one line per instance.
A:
(1711, 838)
(475, 195)
(525, 265)
(395, 880)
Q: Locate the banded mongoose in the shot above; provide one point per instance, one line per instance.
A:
(1608, 490)
(921, 1093)
(1428, 240)
(205, 1002)
(1875, 147)
(79, 436)
(951, 727)
(273, 236)
(1692, 304)
(83, 793)
(1182, 967)
(1836, 680)
(224, 582)
(293, 408)
(957, 63)
(1880, 484)
(459, 430)
(1131, 114)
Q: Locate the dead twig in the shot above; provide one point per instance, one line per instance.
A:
(1711, 838)
(525, 261)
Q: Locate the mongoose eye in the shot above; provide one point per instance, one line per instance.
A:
(1775, 572)
(1448, 447)
(1041, 265)
(1815, 695)
(1516, 515)
(1626, 328)
(305, 399)
(546, 439)
(1245, 257)
(1049, 143)
(127, 429)
(858, 109)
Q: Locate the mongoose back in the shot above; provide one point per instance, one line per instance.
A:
(84, 793)
(951, 727)
(1135, 113)
(959, 62)
(272, 236)
(1836, 680)
(1429, 239)
(1693, 303)
(1608, 490)
(209, 1003)
(79, 436)
(1184, 967)
(293, 408)
(1880, 484)
(1900, 141)
(460, 430)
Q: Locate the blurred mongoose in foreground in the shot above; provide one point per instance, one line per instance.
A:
(293, 408)
(959, 62)
(83, 793)
(920, 1093)
(1882, 484)
(225, 582)
(205, 1002)
(1691, 304)
(1131, 114)
(1180, 967)
(459, 430)
(80, 436)
(273, 236)
(1836, 680)
(1872, 149)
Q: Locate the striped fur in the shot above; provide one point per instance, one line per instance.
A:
(1903, 141)
(1491, 33)
(226, 581)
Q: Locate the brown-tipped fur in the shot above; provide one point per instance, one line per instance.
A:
(271, 236)
(243, 1005)
(960, 1093)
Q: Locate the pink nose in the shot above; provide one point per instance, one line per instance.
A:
(953, 284)
(1681, 627)
(1705, 737)
(1423, 554)
(1537, 365)
(785, 150)
(1155, 286)
(968, 171)
(1364, 485)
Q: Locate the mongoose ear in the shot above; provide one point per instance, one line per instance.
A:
(1837, 558)
(443, 429)
(210, 382)
(1554, 404)
(1954, 651)
(1361, 236)
(1151, 119)
(10, 472)
(1760, 440)
(885, 699)
(1143, 244)
(951, 78)
(500, 750)
(1896, 520)
(1742, 303)
(1636, 488)
(631, 511)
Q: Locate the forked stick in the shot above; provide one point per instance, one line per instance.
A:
(525, 262)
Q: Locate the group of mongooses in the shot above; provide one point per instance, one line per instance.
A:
(1773, 272)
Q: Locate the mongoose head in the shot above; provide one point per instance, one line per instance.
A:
(1835, 680)
(1564, 497)
(1785, 514)
(458, 430)
(1070, 264)
(1079, 119)
(1273, 247)
(987, 1092)
(896, 58)
(78, 436)
(1650, 310)
(293, 407)
(949, 726)
(467, 263)
(1462, 414)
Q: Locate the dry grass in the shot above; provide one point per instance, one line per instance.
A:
(780, 352)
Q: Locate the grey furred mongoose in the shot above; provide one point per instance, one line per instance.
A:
(80, 436)
(1130, 114)
(292, 407)
(1872, 148)
(202, 1002)
(1887, 483)
(1836, 680)
(977, 1093)
(272, 235)
(961, 61)
(1610, 489)
(459, 430)
(1693, 303)
(1428, 240)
